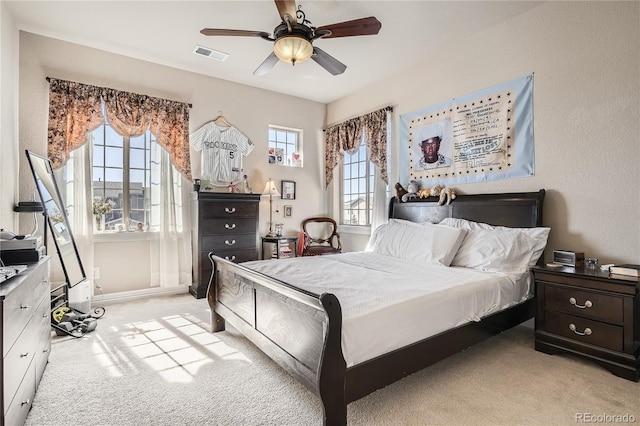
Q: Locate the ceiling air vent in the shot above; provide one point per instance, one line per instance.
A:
(210, 53)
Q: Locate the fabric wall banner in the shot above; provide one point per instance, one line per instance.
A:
(486, 135)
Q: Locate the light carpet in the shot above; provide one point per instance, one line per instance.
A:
(154, 362)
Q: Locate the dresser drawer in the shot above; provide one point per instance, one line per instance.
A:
(20, 305)
(19, 359)
(228, 226)
(584, 330)
(584, 303)
(228, 209)
(16, 413)
(228, 242)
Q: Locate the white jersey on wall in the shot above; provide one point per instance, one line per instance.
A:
(223, 148)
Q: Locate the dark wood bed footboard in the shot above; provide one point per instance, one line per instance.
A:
(301, 331)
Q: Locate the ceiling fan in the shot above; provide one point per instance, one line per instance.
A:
(293, 38)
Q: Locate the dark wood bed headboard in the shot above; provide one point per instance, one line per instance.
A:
(517, 210)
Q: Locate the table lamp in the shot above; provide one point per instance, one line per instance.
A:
(271, 191)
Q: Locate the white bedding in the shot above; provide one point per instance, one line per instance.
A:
(388, 303)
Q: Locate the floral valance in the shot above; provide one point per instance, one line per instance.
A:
(345, 137)
(76, 108)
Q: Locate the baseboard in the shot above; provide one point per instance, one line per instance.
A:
(126, 296)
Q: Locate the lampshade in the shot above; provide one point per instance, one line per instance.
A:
(270, 189)
(293, 49)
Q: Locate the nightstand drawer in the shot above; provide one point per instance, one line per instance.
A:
(584, 303)
(584, 330)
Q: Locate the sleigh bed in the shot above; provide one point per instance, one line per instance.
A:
(302, 330)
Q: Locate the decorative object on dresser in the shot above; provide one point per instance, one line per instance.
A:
(270, 190)
(26, 339)
(586, 312)
(626, 269)
(226, 224)
(568, 258)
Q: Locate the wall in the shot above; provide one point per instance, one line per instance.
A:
(586, 60)
(8, 119)
(250, 110)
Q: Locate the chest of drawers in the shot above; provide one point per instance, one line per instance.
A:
(226, 224)
(587, 313)
(26, 339)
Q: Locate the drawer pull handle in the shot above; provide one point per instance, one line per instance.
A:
(232, 226)
(229, 243)
(232, 258)
(587, 304)
(230, 210)
(23, 306)
(587, 331)
(24, 355)
(26, 402)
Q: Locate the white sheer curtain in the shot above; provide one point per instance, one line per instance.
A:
(381, 198)
(77, 181)
(170, 251)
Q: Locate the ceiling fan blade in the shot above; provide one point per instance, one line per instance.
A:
(327, 61)
(242, 33)
(287, 7)
(266, 65)
(357, 27)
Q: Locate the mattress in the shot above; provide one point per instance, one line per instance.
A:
(388, 303)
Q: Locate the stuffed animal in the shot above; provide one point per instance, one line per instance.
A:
(400, 191)
(412, 191)
(444, 194)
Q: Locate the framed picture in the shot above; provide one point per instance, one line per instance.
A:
(288, 210)
(288, 190)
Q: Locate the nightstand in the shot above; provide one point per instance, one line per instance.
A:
(280, 242)
(586, 313)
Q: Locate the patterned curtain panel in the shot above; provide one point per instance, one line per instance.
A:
(75, 109)
(345, 137)
(375, 127)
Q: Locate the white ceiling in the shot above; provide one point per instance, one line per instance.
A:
(166, 32)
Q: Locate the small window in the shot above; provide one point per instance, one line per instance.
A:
(357, 187)
(285, 146)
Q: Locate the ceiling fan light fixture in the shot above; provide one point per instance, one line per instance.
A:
(293, 49)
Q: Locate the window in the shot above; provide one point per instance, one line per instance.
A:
(285, 146)
(357, 187)
(126, 171)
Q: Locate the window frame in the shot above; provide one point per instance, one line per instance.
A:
(150, 139)
(298, 144)
(369, 179)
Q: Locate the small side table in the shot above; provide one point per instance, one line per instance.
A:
(590, 314)
(279, 242)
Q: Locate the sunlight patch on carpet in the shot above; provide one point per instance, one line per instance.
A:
(176, 346)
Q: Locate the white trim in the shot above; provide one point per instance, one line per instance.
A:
(127, 296)
(354, 229)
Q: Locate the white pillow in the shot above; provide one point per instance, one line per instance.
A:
(494, 250)
(530, 246)
(419, 243)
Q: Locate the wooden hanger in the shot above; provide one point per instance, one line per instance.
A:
(220, 120)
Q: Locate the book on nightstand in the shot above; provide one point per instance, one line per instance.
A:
(626, 269)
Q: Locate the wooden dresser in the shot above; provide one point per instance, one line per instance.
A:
(585, 312)
(26, 339)
(226, 224)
